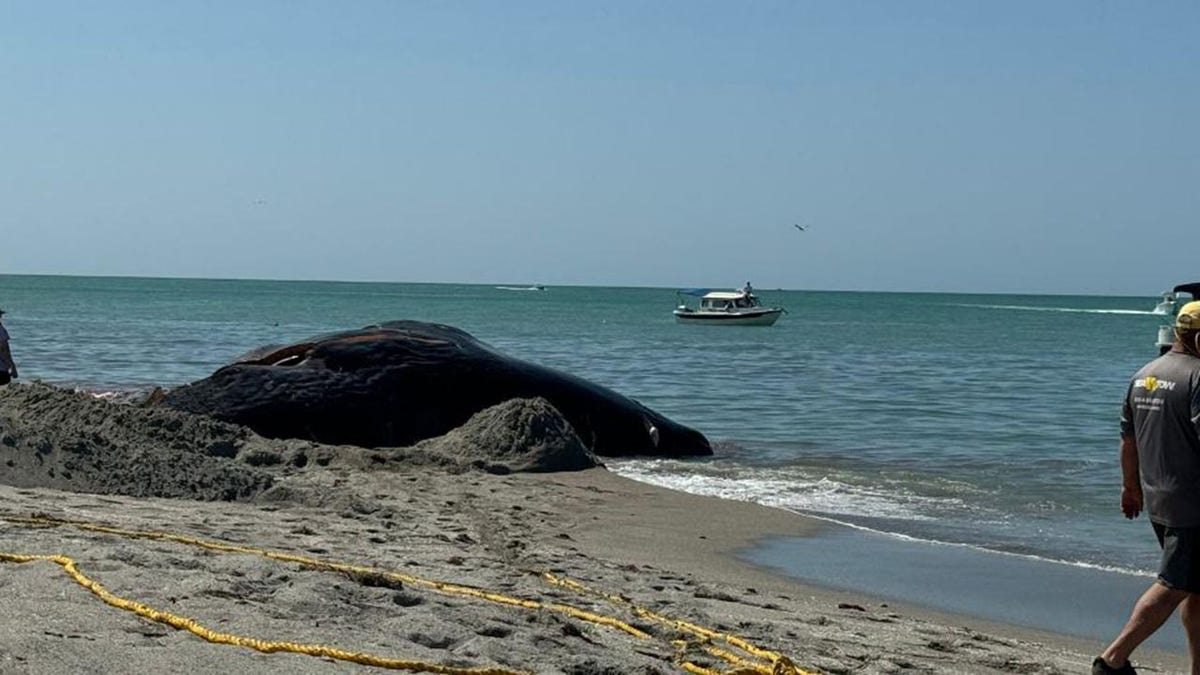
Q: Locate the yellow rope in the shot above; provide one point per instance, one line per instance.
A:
(351, 570)
(779, 665)
(265, 646)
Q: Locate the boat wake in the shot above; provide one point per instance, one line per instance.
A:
(520, 288)
(1074, 310)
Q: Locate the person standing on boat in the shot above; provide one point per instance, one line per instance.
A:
(1160, 467)
(8, 369)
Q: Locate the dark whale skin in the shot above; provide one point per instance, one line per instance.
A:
(400, 382)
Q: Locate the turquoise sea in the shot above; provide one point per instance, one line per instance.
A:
(988, 421)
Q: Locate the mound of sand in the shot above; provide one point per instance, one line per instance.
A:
(518, 435)
(66, 440)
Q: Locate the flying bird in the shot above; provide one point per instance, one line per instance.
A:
(801, 228)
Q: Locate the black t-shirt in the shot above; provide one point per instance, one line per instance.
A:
(1162, 414)
(5, 365)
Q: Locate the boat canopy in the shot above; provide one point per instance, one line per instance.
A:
(710, 294)
(1192, 288)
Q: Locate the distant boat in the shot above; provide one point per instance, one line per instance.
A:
(1166, 306)
(536, 287)
(727, 308)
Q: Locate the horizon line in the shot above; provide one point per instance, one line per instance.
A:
(561, 285)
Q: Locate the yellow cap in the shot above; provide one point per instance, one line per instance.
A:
(1188, 317)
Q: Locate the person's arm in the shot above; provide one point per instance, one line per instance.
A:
(1131, 479)
(1131, 475)
(1196, 403)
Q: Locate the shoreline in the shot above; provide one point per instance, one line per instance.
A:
(1029, 597)
(674, 552)
(743, 557)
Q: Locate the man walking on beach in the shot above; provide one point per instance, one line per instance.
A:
(8, 369)
(1160, 467)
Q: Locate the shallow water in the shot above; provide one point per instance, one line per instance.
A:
(1082, 601)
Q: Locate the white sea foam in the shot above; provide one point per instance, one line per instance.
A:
(790, 491)
(128, 395)
(827, 500)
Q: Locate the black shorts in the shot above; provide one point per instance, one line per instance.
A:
(1180, 568)
(5, 378)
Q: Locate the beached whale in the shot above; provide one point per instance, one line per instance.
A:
(401, 382)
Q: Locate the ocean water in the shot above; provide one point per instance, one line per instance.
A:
(983, 420)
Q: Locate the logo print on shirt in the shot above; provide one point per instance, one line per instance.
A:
(1152, 384)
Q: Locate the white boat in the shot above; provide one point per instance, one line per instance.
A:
(727, 308)
(1166, 306)
(537, 287)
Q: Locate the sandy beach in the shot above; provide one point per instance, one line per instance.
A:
(666, 591)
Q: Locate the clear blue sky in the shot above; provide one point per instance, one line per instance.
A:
(957, 145)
